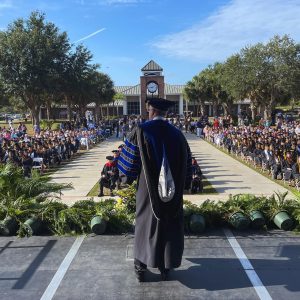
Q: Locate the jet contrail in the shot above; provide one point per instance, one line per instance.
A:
(90, 35)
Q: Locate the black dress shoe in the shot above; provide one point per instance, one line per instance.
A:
(164, 274)
(140, 273)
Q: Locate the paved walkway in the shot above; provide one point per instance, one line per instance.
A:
(84, 171)
(227, 175)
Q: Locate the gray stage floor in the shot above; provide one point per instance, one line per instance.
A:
(103, 268)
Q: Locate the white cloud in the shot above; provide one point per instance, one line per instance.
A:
(233, 26)
(6, 4)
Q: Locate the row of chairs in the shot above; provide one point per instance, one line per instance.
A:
(263, 166)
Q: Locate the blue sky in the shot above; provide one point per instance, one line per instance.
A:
(181, 36)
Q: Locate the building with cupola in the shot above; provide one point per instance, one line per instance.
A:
(133, 102)
(134, 98)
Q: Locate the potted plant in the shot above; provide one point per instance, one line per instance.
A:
(99, 221)
(32, 225)
(8, 226)
(194, 220)
(254, 208)
(277, 210)
(197, 223)
(235, 215)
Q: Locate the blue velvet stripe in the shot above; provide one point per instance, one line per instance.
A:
(131, 146)
(129, 155)
(128, 164)
(126, 172)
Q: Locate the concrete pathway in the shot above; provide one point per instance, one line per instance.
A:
(227, 175)
(84, 171)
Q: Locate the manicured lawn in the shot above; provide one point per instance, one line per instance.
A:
(94, 192)
(29, 125)
(207, 187)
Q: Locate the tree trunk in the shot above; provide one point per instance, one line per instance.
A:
(35, 111)
(226, 109)
(215, 108)
(269, 107)
(253, 111)
(202, 108)
(97, 112)
(48, 110)
(198, 108)
(69, 111)
(107, 110)
(101, 111)
(113, 110)
(293, 103)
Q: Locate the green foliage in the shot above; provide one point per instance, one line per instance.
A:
(37, 67)
(127, 196)
(32, 52)
(267, 74)
(44, 124)
(21, 198)
(217, 213)
(279, 202)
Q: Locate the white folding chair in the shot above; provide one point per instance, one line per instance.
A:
(37, 163)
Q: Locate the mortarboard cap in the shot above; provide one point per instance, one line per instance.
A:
(160, 103)
(115, 151)
(109, 157)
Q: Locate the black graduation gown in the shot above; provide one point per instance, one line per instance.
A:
(159, 230)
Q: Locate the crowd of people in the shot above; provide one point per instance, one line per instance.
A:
(275, 149)
(47, 148)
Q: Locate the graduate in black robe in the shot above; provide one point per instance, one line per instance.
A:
(159, 230)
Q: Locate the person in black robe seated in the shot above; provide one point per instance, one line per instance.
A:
(196, 185)
(109, 175)
(277, 164)
(290, 168)
(27, 162)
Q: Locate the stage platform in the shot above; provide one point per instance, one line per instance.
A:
(220, 264)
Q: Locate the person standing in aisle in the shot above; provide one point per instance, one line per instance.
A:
(158, 156)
